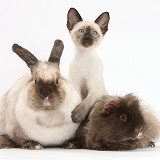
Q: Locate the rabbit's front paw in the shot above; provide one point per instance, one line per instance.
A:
(6, 142)
(78, 114)
(32, 145)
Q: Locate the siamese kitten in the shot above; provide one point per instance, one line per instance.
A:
(86, 70)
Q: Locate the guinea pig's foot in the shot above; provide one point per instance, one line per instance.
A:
(151, 144)
(6, 142)
(31, 145)
(71, 145)
(78, 114)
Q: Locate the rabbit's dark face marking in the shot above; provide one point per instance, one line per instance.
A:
(51, 102)
(46, 86)
(45, 89)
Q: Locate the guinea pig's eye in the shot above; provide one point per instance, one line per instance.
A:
(35, 81)
(123, 117)
(94, 33)
(81, 31)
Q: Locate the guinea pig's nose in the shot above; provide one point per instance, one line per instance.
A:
(139, 135)
(138, 130)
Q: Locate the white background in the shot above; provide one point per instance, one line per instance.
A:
(130, 52)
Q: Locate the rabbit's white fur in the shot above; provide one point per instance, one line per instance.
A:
(29, 114)
(56, 125)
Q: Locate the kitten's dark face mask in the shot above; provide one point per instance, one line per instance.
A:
(87, 40)
(87, 36)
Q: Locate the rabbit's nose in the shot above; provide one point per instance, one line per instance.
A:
(138, 130)
(45, 92)
(46, 99)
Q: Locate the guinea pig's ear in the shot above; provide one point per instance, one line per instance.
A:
(109, 108)
(73, 17)
(25, 55)
(56, 52)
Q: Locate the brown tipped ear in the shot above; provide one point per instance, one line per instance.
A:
(56, 52)
(109, 108)
(103, 21)
(73, 17)
(25, 55)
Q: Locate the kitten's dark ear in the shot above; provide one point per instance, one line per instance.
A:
(73, 17)
(103, 21)
(25, 55)
(109, 108)
(56, 52)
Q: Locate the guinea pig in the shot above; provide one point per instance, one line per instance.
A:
(117, 123)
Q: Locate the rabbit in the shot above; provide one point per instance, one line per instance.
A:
(36, 111)
(117, 123)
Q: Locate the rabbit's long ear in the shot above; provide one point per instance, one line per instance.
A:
(56, 52)
(73, 17)
(25, 55)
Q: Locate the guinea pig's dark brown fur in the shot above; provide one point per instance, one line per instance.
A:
(116, 123)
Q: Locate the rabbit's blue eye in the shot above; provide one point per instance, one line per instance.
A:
(81, 31)
(94, 33)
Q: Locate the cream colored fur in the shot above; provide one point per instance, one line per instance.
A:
(48, 127)
(86, 70)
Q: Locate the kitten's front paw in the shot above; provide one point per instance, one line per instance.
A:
(32, 145)
(78, 114)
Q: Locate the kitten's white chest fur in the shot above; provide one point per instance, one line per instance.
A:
(86, 67)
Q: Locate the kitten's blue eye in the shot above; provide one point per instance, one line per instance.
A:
(94, 33)
(81, 31)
